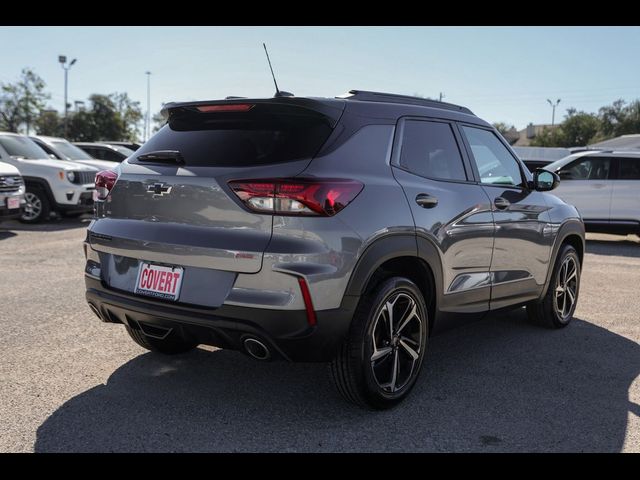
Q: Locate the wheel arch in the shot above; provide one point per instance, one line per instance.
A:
(570, 233)
(43, 185)
(403, 255)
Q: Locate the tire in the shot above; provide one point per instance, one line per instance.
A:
(370, 383)
(38, 206)
(170, 345)
(556, 310)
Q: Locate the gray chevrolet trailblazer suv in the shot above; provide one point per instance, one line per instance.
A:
(343, 230)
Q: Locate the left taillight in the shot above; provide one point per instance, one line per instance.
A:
(105, 180)
(295, 196)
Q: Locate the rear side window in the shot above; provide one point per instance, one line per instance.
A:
(429, 149)
(589, 168)
(629, 169)
(261, 136)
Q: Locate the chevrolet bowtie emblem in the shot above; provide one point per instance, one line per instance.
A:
(158, 189)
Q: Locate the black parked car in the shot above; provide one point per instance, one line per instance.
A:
(104, 151)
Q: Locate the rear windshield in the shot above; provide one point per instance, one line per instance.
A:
(261, 136)
(71, 151)
(22, 147)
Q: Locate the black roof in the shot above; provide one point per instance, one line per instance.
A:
(367, 96)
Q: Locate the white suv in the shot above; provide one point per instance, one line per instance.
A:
(51, 185)
(64, 150)
(605, 188)
(12, 200)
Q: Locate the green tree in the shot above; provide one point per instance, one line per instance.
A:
(21, 102)
(130, 115)
(578, 129)
(502, 127)
(108, 117)
(158, 122)
(49, 123)
(619, 119)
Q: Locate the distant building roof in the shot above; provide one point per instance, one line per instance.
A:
(531, 131)
(624, 142)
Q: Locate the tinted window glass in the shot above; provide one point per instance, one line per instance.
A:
(629, 169)
(495, 164)
(70, 150)
(110, 155)
(22, 147)
(430, 149)
(588, 168)
(261, 136)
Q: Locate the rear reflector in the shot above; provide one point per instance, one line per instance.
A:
(237, 107)
(297, 196)
(308, 304)
(105, 180)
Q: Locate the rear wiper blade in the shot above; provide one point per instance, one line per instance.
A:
(164, 156)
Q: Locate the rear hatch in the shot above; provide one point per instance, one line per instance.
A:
(171, 203)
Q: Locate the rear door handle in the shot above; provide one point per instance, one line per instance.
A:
(501, 203)
(426, 201)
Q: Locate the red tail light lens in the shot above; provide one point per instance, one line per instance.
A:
(293, 196)
(235, 107)
(105, 181)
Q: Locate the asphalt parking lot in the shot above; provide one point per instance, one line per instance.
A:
(71, 383)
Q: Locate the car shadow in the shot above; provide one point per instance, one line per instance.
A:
(5, 234)
(497, 385)
(53, 225)
(614, 245)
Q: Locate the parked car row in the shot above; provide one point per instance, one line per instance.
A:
(40, 175)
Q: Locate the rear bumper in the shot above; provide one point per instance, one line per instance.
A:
(285, 332)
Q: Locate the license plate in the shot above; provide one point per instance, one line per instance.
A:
(13, 203)
(159, 281)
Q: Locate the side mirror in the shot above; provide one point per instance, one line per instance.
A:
(566, 174)
(544, 180)
(51, 155)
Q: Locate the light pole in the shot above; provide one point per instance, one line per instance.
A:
(553, 114)
(63, 62)
(147, 132)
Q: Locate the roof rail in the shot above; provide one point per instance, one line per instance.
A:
(367, 96)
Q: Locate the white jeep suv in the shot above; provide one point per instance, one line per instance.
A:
(51, 185)
(605, 188)
(12, 200)
(64, 150)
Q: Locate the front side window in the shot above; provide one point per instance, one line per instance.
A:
(429, 149)
(588, 168)
(629, 169)
(495, 164)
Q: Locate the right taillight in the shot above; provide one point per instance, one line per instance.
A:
(105, 181)
(294, 196)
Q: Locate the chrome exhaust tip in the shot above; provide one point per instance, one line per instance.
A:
(256, 349)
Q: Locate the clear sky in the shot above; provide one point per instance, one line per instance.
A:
(501, 73)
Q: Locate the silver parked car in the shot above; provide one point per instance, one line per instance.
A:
(344, 230)
(605, 188)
